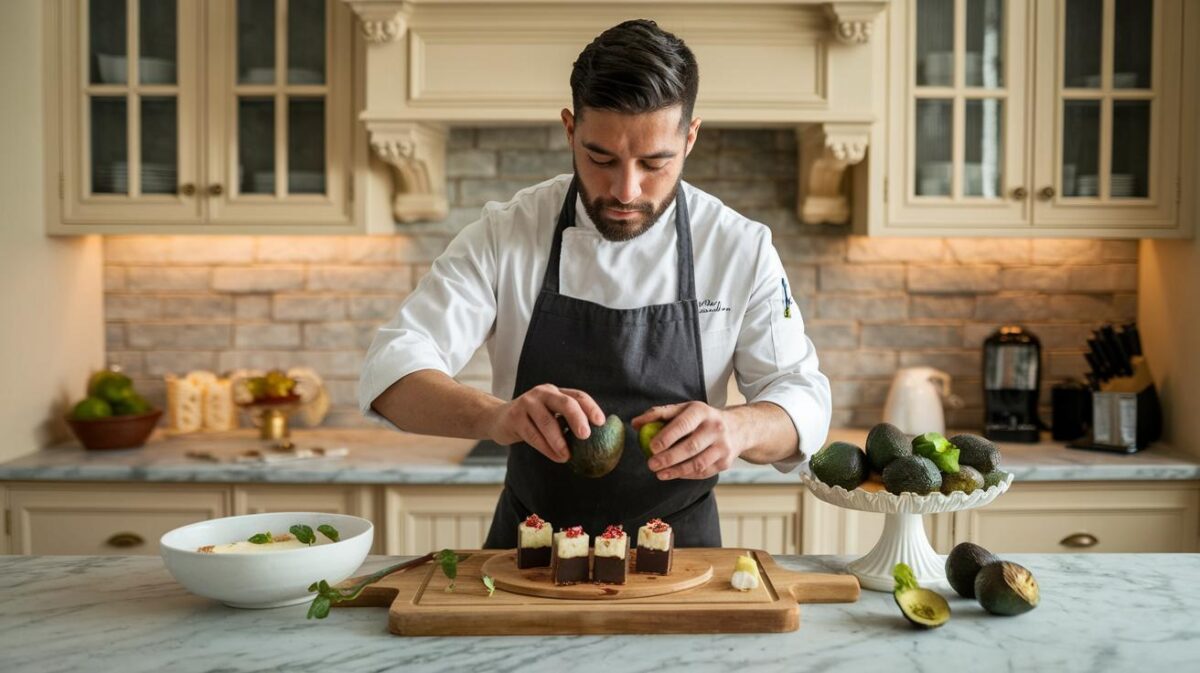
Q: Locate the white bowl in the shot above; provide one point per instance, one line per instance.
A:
(265, 580)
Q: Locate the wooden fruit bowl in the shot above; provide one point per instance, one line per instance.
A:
(116, 432)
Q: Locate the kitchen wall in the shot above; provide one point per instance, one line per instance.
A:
(50, 288)
(871, 305)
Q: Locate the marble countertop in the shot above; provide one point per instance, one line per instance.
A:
(1103, 612)
(380, 456)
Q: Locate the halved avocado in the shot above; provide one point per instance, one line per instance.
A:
(1005, 588)
(599, 454)
(923, 608)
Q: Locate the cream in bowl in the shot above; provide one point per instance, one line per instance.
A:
(266, 560)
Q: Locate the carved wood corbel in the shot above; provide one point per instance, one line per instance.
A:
(826, 152)
(852, 22)
(416, 153)
(382, 20)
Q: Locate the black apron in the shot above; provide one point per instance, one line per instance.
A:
(628, 360)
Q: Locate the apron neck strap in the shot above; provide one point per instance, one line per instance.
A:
(683, 243)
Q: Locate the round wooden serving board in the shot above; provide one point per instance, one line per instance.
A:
(688, 571)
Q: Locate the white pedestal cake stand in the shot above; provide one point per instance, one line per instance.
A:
(903, 539)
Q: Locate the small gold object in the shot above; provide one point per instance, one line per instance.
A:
(274, 424)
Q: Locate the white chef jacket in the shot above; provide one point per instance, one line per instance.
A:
(484, 286)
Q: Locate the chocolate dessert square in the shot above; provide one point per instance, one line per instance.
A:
(570, 563)
(610, 562)
(534, 542)
(656, 547)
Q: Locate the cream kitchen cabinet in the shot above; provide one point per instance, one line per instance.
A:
(1047, 118)
(829, 529)
(1087, 517)
(199, 116)
(104, 519)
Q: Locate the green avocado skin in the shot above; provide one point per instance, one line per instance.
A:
(978, 452)
(885, 443)
(998, 588)
(963, 565)
(912, 474)
(599, 454)
(840, 464)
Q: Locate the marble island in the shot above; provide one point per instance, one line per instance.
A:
(1099, 612)
(384, 457)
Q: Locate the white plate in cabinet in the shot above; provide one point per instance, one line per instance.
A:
(106, 519)
(1086, 517)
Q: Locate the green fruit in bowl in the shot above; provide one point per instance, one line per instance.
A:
(134, 404)
(648, 432)
(114, 388)
(103, 375)
(90, 409)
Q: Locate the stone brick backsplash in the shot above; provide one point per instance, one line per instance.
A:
(175, 303)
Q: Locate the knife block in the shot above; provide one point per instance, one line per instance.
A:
(1126, 413)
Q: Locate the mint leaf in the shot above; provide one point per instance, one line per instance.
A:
(935, 447)
(303, 533)
(329, 531)
(448, 560)
(490, 584)
(261, 538)
(319, 608)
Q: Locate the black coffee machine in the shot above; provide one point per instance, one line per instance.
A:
(1012, 379)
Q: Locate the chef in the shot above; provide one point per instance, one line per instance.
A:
(618, 289)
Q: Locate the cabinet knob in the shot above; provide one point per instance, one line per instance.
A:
(1019, 193)
(1046, 193)
(188, 189)
(1079, 541)
(125, 540)
(215, 190)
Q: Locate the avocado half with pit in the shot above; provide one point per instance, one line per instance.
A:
(923, 608)
(599, 454)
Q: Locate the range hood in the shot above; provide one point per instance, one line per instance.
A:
(813, 66)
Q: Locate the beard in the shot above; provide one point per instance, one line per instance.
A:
(613, 229)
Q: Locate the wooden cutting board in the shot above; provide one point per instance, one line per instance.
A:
(419, 604)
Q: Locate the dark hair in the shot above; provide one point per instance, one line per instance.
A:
(635, 67)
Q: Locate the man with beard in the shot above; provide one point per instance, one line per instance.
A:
(620, 290)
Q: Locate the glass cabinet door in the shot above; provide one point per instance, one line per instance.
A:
(135, 108)
(1111, 94)
(282, 104)
(965, 69)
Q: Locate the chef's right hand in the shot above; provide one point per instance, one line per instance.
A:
(533, 418)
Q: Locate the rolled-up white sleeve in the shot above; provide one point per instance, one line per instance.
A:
(775, 361)
(442, 323)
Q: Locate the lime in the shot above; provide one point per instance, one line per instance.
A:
(133, 404)
(113, 389)
(90, 409)
(646, 434)
(102, 375)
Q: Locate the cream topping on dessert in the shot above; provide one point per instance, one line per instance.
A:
(655, 535)
(571, 542)
(534, 532)
(613, 542)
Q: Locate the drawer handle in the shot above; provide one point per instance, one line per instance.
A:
(125, 540)
(1079, 541)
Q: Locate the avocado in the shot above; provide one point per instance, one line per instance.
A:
(912, 474)
(597, 455)
(1005, 588)
(978, 452)
(840, 464)
(967, 480)
(963, 564)
(923, 608)
(994, 478)
(885, 443)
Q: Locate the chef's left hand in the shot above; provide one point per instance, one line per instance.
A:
(697, 442)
